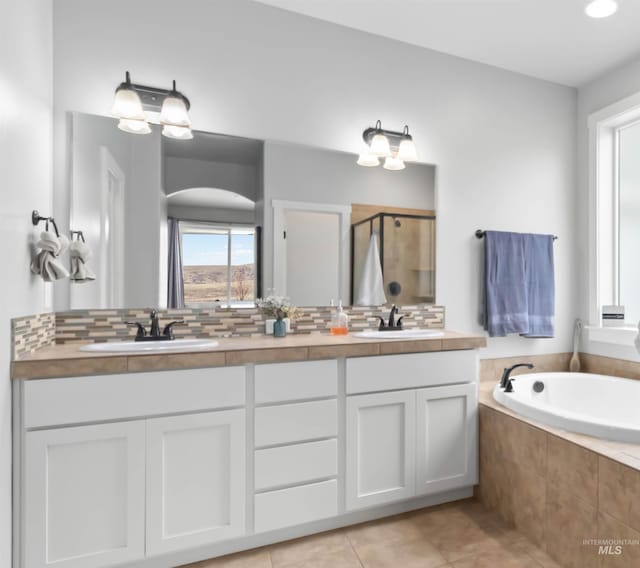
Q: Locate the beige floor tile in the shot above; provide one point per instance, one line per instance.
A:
(415, 554)
(506, 557)
(395, 530)
(302, 551)
(259, 558)
(343, 559)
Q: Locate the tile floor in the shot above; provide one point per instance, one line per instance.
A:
(456, 535)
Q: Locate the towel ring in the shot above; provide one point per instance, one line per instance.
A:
(36, 218)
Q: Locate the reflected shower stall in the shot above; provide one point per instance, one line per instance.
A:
(407, 256)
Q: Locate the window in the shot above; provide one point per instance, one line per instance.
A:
(614, 235)
(218, 264)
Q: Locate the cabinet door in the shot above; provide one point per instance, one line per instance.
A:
(380, 448)
(195, 479)
(84, 496)
(447, 438)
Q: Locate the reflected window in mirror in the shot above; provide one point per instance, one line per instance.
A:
(218, 265)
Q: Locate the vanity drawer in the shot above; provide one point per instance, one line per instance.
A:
(299, 463)
(295, 381)
(49, 402)
(415, 370)
(288, 423)
(297, 505)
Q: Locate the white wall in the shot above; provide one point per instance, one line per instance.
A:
(504, 144)
(618, 84)
(25, 163)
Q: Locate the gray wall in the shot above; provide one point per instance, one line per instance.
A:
(303, 173)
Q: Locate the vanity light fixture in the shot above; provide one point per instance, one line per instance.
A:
(131, 101)
(396, 147)
(601, 8)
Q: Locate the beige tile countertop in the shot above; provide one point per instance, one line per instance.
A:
(627, 454)
(68, 361)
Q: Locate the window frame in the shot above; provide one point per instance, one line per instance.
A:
(206, 227)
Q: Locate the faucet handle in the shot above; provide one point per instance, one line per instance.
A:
(168, 329)
(383, 324)
(142, 332)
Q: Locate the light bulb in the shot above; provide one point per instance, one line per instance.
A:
(407, 150)
(393, 163)
(601, 8)
(134, 126)
(380, 145)
(174, 112)
(368, 160)
(177, 132)
(126, 102)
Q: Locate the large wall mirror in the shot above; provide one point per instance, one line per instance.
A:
(220, 220)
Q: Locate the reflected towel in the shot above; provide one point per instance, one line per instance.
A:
(505, 309)
(79, 253)
(540, 284)
(371, 288)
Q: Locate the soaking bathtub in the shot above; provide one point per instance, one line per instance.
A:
(596, 405)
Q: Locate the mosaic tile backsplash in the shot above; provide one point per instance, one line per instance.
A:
(33, 332)
(30, 333)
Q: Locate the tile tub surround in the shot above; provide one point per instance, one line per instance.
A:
(462, 534)
(560, 488)
(68, 361)
(108, 325)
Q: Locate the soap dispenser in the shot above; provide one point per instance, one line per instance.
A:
(339, 321)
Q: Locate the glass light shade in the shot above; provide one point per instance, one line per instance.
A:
(393, 164)
(134, 126)
(174, 112)
(407, 150)
(127, 104)
(177, 132)
(380, 145)
(368, 160)
(601, 8)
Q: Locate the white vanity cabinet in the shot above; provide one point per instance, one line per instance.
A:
(195, 479)
(84, 495)
(139, 483)
(415, 441)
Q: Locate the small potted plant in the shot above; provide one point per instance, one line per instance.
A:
(280, 309)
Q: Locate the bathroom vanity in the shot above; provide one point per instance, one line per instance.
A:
(200, 454)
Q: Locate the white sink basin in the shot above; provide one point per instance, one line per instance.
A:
(150, 346)
(399, 334)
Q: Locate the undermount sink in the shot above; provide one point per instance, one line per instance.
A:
(150, 346)
(399, 334)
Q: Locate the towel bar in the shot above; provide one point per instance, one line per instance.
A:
(480, 234)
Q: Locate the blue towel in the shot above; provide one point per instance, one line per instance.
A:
(538, 255)
(519, 284)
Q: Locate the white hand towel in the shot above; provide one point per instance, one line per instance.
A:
(371, 288)
(80, 270)
(46, 262)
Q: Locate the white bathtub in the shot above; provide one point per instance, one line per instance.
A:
(597, 405)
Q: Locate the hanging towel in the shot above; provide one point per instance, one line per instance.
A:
(371, 288)
(46, 263)
(79, 253)
(540, 285)
(505, 309)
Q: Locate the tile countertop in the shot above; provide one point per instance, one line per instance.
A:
(622, 452)
(68, 361)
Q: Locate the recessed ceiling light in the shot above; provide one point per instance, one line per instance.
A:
(601, 8)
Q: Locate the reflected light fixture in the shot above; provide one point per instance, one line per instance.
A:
(131, 101)
(601, 8)
(396, 147)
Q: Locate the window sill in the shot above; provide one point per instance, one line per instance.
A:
(622, 335)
